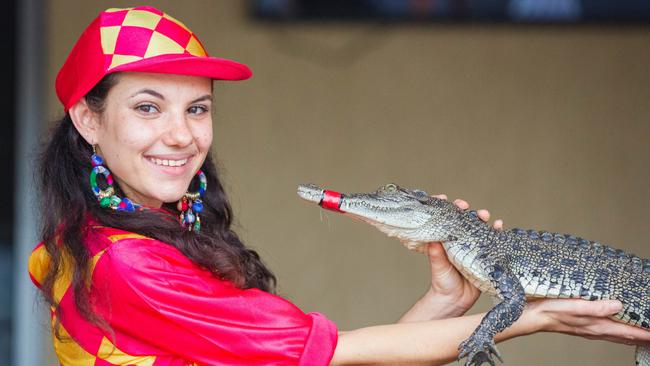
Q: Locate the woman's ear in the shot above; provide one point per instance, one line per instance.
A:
(85, 121)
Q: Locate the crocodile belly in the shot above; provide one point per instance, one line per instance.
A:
(536, 285)
(466, 262)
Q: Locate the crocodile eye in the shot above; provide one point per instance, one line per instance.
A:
(390, 187)
(421, 195)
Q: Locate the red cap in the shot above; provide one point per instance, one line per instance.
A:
(137, 39)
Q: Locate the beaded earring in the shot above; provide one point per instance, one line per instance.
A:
(191, 205)
(107, 197)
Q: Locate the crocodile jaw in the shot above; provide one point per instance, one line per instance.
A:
(311, 193)
(396, 218)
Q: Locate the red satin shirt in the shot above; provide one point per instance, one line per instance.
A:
(165, 310)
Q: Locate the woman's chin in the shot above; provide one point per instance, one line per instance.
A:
(172, 198)
(161, 198)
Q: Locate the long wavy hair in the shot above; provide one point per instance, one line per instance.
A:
(67, 201)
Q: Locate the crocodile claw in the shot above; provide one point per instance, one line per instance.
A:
(479, 350)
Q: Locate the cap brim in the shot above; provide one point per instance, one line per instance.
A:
(210, 67)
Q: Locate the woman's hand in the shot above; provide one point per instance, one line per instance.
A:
(588, 319)
(450, 293)
(436, 342)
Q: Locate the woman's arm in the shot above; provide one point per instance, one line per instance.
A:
(436, 342)
(428, 342)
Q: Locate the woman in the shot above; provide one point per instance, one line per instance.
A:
(138, 260)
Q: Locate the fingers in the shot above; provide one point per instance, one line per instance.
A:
(462, 204)
(590, 319)
(613, 331)
(440, 265)
(482, 214)
(620, 333)
(599, 308)
(435, 249)
(485, 216)
(610, 307)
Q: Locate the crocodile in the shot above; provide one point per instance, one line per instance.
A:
(511, 265)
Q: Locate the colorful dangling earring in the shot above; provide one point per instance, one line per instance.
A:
(191, 205)
(106, 197)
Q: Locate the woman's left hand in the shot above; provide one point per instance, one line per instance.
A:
(588, 319)
(450, 293)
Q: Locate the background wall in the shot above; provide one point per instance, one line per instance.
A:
(545, 126)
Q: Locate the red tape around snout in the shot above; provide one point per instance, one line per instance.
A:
(331, 201)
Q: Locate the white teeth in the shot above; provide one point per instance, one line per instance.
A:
(166, 162)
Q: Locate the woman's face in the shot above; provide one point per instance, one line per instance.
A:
(155, 133)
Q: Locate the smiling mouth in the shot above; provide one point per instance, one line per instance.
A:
(168, 162)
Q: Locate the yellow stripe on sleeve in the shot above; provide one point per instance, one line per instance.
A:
(117, 237)
(39, 264)
(108, 352)
(70, 352)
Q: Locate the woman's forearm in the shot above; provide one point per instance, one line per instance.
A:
(433, 306)
(430, 342)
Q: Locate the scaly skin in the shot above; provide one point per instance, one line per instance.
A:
(511, 265)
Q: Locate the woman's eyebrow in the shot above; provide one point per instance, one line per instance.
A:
(150, 92)
(200, 99)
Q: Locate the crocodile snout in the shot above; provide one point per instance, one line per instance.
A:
(311, 192)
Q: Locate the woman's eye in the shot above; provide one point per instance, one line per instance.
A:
(146, 108)
(197, 109)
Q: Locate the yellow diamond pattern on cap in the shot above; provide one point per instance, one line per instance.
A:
(141, 18)
(195, 48)
(176, 21)
(162, 45)
(109, 38)
(123, 59)
(113, 10)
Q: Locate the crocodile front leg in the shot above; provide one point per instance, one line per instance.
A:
(480, 347)
(642, 356)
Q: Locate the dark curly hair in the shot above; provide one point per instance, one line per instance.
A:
(67, 200)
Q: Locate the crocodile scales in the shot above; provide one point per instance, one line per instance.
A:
(510, 265)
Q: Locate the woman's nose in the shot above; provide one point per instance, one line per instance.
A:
(179, 132)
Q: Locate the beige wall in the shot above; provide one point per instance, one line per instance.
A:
(545, 126)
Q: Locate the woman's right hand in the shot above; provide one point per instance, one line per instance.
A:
(588, 319)
(454, 293)
(450, 294)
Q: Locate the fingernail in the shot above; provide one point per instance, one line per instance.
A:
(615, 306)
